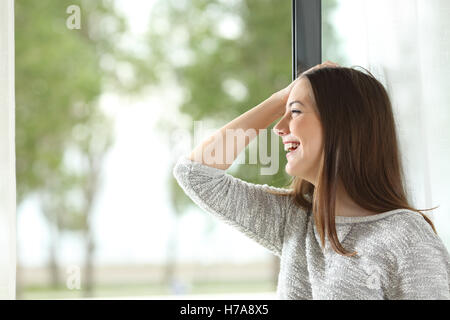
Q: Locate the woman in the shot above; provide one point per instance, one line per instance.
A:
(344, 229)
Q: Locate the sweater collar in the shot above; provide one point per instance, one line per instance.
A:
(342, 230)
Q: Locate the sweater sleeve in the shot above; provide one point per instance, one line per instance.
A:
(247, 207)
(424, 272)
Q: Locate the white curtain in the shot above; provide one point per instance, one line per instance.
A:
(406, 44)
(7, 154)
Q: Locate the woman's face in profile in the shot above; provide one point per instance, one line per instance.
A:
(301, 124)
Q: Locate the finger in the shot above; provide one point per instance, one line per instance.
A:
(331, 63)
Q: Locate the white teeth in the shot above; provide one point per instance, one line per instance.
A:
(288, 146)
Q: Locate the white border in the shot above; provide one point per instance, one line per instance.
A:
(7, 154)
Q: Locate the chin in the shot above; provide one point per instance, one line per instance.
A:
(292, 172)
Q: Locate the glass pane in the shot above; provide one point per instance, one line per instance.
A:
(107, 95)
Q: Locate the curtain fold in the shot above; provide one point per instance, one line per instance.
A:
(7, 154)
(406, 45)
(411, 45)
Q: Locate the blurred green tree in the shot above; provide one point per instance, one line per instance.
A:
(60, 75)
(227, 56)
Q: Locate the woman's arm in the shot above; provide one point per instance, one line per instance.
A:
(249, 208)
(246, 126)
(220, 150)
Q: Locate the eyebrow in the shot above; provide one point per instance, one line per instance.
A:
(296, 101)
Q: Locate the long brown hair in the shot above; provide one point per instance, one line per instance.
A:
(360, 150)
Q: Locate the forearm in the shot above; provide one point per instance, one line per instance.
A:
(220, 149)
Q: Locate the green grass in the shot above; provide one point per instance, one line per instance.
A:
(124, 290)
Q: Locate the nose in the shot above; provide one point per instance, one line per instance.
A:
(281, 128)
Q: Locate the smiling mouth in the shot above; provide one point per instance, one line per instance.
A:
(291, 146)
(291, 150)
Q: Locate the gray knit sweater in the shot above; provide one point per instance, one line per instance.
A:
(398, 254)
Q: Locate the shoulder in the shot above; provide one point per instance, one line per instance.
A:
(409, 238)
(402, 230)
(411, 257)
(410, 228)
(421, 261)
(413, 235)
(393, 236)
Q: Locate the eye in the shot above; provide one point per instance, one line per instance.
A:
(296, 111)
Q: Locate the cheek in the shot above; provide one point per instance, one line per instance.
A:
(315, 147)
(299, 127)
(307, 130)
(310, 134)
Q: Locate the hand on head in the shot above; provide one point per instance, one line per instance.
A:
(283, 94)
